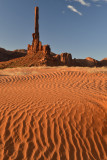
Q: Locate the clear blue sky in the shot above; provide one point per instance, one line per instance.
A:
(78, 27)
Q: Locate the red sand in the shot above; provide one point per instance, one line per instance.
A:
(53, 114)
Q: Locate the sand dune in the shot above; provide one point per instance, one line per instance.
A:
(53, 114)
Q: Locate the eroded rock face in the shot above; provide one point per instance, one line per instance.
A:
(46, 49)
(66, 59)
(91, 62)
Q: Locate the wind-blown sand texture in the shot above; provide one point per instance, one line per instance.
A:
(53, 114)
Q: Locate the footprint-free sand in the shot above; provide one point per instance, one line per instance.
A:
(57, 113)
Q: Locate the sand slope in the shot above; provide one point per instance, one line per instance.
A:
(53, 114)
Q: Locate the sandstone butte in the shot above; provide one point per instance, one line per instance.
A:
(41, 55)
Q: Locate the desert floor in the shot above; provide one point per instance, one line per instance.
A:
(57, 113)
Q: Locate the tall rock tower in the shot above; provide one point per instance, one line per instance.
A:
(36, 20)
(36, 44)
(35, 35)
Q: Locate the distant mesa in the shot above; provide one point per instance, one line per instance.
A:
(6, 55)
(87, 62)
(103, 62)
(41, 55)
(92, 62)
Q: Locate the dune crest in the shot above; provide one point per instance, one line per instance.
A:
(53, 113)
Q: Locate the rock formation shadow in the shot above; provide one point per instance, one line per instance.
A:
(6, 55)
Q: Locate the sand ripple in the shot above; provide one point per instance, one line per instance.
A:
(54, 115)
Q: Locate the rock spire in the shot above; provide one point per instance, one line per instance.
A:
(36, 20)
(36, 44)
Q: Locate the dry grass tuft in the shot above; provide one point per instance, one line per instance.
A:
(20, 71)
